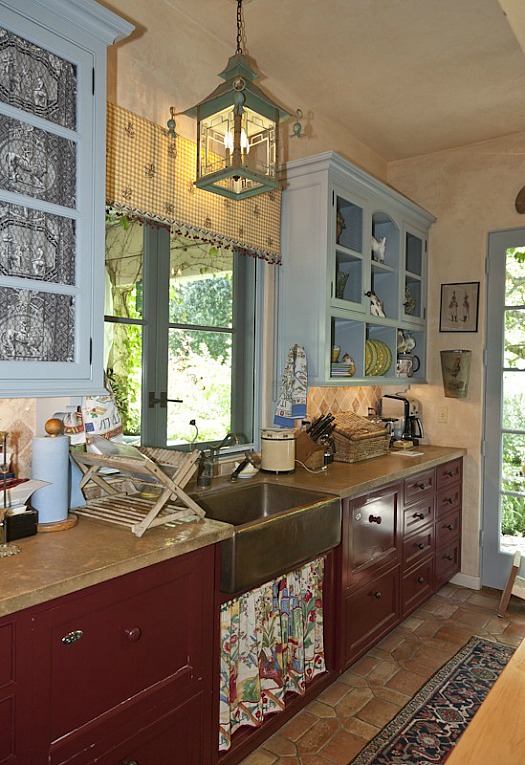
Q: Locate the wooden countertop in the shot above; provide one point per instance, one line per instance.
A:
(496, 734)
(57, 563)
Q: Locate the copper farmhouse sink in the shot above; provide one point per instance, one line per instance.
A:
(276, 529)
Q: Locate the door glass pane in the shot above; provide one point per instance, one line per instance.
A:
(515, 280)
(514, 400)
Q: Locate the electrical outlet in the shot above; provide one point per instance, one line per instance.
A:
(442, 414)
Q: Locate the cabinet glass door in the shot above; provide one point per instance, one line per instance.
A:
(384, 264)
(413, 300)
(347, 284)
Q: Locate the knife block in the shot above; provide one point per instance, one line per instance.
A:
(308, 451)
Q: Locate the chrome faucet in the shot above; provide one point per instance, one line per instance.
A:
(208, 457)
(228, 440)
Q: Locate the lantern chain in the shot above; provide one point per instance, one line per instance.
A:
(240, 27)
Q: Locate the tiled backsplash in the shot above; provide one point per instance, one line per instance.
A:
(345, 399)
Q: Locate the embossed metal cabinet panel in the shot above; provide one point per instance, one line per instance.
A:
(52, 166)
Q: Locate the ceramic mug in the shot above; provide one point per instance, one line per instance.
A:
(407, 364)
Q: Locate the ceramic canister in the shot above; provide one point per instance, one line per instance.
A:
(277, 450)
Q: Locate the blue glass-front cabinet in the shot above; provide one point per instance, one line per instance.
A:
(352, 287)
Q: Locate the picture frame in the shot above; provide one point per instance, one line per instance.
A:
(459, 307)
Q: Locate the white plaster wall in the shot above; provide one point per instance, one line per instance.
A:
(471, 191)
(170, 61)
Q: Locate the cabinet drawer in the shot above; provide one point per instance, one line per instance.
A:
(418, 585)
(122, 638)
(415, 517)
(7, 652)
(448, 499)
(418, 485)
(448, 560)
(371, 534)
(418, 546)
(174, 737)
(448, 527)
(370, 613)
(448, 473)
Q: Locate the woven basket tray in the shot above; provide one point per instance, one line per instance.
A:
(356, 438)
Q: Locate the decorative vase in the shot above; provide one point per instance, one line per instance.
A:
(455, 369)
(340, 284)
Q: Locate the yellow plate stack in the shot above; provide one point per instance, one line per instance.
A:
(378, 358)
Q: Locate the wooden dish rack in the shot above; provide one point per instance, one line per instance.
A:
(164, 502)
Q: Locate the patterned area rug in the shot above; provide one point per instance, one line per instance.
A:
(425, 730)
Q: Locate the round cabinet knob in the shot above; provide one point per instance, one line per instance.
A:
(377, 595)
(449, 500)
(450, 473)
(133, 634)
(421, 486)
(448, 557)
(420, 580)
(375, 519)
(450, 526)
(421, 546)
(130, 762)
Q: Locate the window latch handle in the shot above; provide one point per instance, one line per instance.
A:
(163, 400)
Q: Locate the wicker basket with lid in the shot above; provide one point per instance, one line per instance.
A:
(356, 438)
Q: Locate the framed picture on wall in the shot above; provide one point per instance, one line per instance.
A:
(459, 307)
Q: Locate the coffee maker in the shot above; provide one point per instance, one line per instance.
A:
(407, 409)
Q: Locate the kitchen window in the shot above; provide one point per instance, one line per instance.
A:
(181, 339)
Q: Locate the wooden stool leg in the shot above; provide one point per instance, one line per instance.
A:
(507, 592)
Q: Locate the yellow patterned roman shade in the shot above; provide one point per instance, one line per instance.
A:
(152, 175)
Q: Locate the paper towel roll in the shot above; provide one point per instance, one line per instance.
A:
(50, 462)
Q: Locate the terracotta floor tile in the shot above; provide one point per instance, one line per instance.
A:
(406, 682)
(365, 665)
(353, 702)
(321, 710)
(298, 725)
(360, 728)
(393, 697)
(261, 757)
(280, 746)
(333, 693)
(473, 619)
(378, 712)
(352, 679)
(318, 736)
(311, 759)
(342, 748)
(381, 674)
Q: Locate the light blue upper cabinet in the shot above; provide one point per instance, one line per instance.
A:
(352, 286)
(52, 188)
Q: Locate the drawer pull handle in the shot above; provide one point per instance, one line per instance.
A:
(420, 580)
(72, 637)
(421, 486)
(449, 500)
(419, 515)
(133, 634)
(450, 473)
(421, 546)
(375, 519)
(450, 526)
(131, 762)
(377, 595)
(449, 557)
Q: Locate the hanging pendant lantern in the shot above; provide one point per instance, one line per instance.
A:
(237, 131)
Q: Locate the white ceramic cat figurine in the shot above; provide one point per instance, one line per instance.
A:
(378, 249)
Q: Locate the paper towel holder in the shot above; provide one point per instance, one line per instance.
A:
(54, 428)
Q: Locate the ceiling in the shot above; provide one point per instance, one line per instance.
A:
(406, 77)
